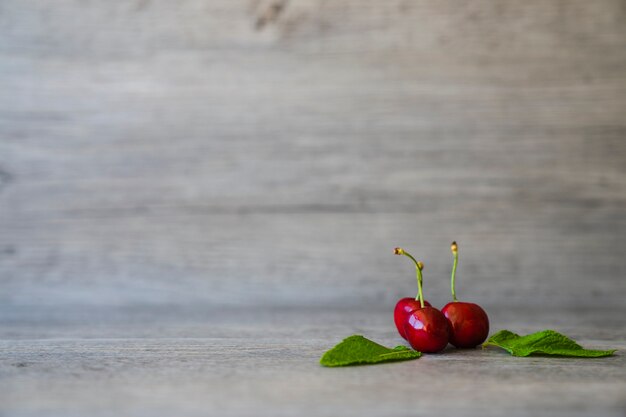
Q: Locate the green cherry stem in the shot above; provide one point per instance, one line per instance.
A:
(418, 273)
(455, 251)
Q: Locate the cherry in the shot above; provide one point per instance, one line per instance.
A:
(407, 305)
(469, 323)
(426, 328)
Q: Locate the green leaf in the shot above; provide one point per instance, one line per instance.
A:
(547, 342)
(357, 350)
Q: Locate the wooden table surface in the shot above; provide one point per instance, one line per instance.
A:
(265, 363)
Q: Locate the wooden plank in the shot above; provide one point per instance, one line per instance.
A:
(312, 259)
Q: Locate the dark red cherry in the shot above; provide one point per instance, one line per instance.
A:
(404, 307)
(469, 324)
(427, 330)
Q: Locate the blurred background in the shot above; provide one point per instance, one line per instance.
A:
(204, 156)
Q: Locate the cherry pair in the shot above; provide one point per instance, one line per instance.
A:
(465, 325)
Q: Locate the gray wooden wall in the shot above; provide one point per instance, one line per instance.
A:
(258, 153)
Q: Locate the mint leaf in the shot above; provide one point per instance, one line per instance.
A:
(357, 350)
(547, 342)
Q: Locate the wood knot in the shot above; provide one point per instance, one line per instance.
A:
(270, 14)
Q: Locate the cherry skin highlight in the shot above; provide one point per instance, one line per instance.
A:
(404, 307)
(427, 330)
(469, 324)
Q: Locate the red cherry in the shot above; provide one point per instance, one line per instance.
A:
(469, 324)
(404, 307)
(427, 330)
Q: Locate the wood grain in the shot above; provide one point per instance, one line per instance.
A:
(244, 363)
(235, 152)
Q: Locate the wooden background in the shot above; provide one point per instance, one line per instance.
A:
(165, 166)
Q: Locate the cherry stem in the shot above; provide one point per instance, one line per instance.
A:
(418, 273)
(455, 251)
